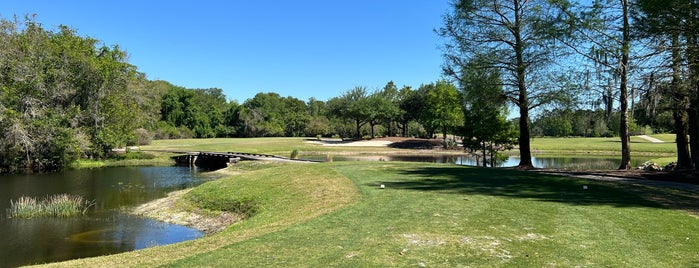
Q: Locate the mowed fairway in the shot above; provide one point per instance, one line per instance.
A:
(439, 215)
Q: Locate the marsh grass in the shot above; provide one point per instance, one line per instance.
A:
(59, 205)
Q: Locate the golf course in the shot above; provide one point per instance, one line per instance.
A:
(401, 214)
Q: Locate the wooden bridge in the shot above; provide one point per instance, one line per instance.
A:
(216, 160)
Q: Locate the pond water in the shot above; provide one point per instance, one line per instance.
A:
(106, 228)
(565, 163)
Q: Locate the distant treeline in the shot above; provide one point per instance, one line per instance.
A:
(65, 97)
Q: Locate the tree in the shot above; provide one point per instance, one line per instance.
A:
(486, 128)
(382, 107)
(353, 105)
(516, 36)
(444, 108)
(672, 25)
(604, 28)
(61, 96)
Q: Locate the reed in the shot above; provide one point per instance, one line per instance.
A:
(58, 205)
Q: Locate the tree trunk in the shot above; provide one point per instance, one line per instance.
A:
(623, 91)
(444, 136)
(684, 160)
(359, 127)
(523, 100)
(485, 154)
(679, 112)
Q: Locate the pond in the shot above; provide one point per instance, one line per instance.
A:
(106, 229)
(552, 162)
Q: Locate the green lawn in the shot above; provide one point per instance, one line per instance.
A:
(277, 146)
(602, 146)
(335, 214)
(284, 146)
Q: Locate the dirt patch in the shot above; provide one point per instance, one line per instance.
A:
(174, 209)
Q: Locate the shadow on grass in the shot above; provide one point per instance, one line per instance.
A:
(520, 184)
(416, 144)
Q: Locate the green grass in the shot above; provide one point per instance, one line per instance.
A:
(600, 146)
(130, 160)
(664, 137)
(335, 214)
(276, 146)
(548, 146)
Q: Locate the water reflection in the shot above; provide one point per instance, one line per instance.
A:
(106, 229)
(566, 163)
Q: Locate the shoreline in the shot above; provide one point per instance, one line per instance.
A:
(175, 210)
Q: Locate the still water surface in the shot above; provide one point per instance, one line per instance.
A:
(106, 229)
(565, 163)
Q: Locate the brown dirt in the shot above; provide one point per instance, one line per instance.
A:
(174, 209)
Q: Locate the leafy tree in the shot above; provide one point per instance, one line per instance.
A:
(61, 96)
(518, 38)
(673, 26)
(382, 108)
(295, 114)
(353, 105)
(412, 104)
(444, 108)
(604, 28)
(486, 128)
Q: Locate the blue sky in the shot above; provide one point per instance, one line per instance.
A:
(298, 48)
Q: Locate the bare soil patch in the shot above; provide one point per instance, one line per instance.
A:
(174, 209)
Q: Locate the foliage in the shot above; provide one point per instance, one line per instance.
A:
(62, 96)
(445, 109)
(518, 39)
(486, 129)
(352, 106)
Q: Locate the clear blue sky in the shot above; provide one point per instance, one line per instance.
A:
(304, 48)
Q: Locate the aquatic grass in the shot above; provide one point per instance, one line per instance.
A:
(59, 205)
(24, 207)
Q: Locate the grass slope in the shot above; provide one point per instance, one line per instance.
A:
(440, 215)
(286, 194)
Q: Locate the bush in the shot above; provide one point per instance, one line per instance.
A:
(294, 154)
(143, 136)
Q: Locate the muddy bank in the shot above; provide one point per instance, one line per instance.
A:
(176, 210)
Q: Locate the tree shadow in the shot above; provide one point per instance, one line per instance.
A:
(521, 184)
(416, 144)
